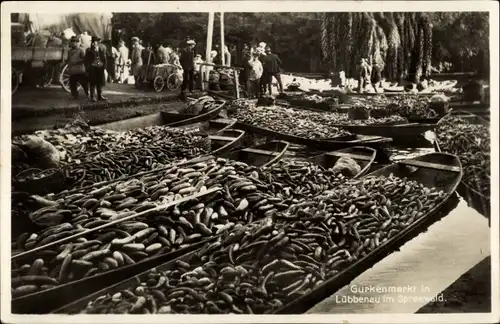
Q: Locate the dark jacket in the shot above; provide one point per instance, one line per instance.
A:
(90, 56)
(272, 63)
(187, 59)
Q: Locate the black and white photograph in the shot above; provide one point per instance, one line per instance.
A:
(328, 160)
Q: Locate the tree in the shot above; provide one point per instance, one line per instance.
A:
(401, 43)
(404, 44)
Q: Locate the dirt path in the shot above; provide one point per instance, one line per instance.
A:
(34, 109)
(55, 96)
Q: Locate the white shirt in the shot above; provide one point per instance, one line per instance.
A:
(123, 55)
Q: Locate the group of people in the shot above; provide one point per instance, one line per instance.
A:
(86, 67)
(123, 62)
(261, 65)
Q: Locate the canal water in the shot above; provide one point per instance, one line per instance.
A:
(408, 279)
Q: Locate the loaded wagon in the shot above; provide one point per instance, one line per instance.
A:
(43, 61)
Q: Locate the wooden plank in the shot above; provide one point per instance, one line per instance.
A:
(429, 165)
(351, 155)
(259, 151)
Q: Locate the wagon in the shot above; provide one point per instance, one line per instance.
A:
(159, 76)
(37, 61)
(48, 64)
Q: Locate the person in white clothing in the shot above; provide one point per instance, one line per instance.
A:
(254, 77)
(123, 58)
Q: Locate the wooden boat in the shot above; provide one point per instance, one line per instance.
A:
(388, 93)
(364, 156)
(325, 144)
(164, 119)
(48, 300)
(212, 127)
(472, 107)
(262, 156)
(226, 140)
(76, 305)
(438, 170)
(435, 120)
(473, 197)
(397, 131)
(429, 167)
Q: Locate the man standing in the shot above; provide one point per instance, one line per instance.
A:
(261, 53)
(76, 68)
(363, 75)
(187, 63)
(95, 58)
(245, 64)
(272, 68)
(111, 56)
(255, 74)
(136, 57)
(376, 76)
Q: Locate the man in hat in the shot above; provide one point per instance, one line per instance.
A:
(76, 68)
(187, 63)
(136, 57)
(95, 61)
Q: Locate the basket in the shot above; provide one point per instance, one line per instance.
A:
(441, 108)
(52, 181)
(379, 113)
(358, 113)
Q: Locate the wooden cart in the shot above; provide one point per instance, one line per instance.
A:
(43, 61)
(159, 76)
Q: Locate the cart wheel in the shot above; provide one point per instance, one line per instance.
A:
(15, 82)
(173, 82)
(158, 83)
(64, 79)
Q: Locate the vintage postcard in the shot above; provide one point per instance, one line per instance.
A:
(250, 161)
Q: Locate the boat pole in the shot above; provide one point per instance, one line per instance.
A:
(210, 33)
(222, 48)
